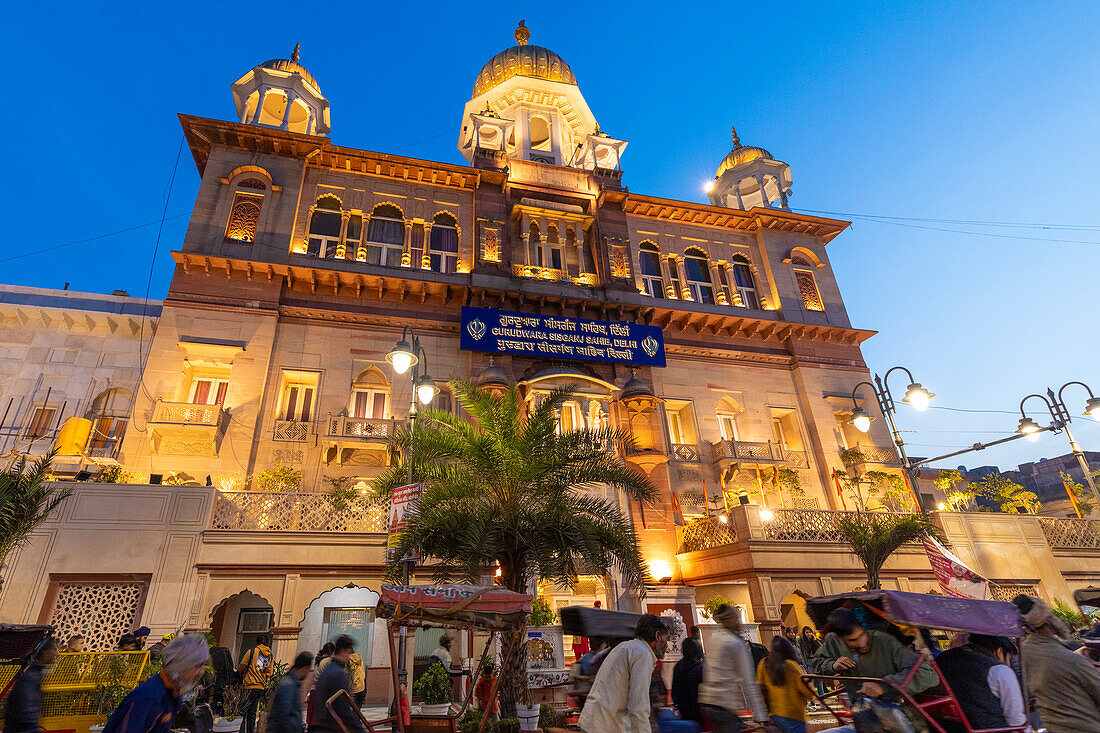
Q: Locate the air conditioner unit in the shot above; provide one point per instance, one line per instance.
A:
(255, 622)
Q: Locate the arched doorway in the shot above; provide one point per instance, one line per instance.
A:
(343, 610)
(792, 610)
(239, 620)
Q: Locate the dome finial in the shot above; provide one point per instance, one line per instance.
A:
(736, 140)
(522, 34)
(294, 55)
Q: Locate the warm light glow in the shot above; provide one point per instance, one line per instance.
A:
(708, 186)
(942, 507)
(1029, 428)
(1092, 407)
(766, 514)
(861, 420)
(499, 572)
(401, 357)
(660, 570)
(917, 396)
(723, 518)
(426, 390)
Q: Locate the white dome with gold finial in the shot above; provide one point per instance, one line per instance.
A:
(283, 94)
(523, 59)
(749, 177)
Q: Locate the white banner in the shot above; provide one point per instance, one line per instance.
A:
(955, 578)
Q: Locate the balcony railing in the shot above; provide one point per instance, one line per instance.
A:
(703, 534)
(297, 512)
(686, 452)
(1078, 534)
(746, 450)
(799, 525)
(291, 431)
(365, 428)
(184, 413)
(874, 454)
(549, 273)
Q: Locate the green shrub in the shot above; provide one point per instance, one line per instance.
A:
(550, 717)
(470, 721)
(541, 613)
(506, 725)
(434, 686)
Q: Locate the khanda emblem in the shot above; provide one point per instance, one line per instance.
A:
(477, 329)
(650, 345)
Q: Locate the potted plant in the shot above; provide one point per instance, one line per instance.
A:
(528, 715)
(232, 700)
(434, 690)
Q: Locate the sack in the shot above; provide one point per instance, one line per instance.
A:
(881, 716)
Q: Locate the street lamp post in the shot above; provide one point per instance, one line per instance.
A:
(915, 395)
(402, 356)
(1060, 421)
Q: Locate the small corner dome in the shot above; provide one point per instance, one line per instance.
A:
(283, 94)
(741, 154)
(635, 387)
(523, 60)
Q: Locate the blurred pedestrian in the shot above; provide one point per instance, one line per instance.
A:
(729, 676)
(780, 678)
(255, 669)
(330, 682)
(285, 715)
(75, 645)
(152, 706)
(619, 701)
(357, 677)
(23, 706)
(483, 689)
(687, 675)
(141, 635)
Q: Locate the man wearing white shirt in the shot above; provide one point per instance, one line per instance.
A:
(619, 700)
(983, 682)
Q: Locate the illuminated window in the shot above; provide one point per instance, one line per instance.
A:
(681, 422)
(728, 409)
(785, 428)
(324, 227)
(550, 252)
(807, 285)
(386, 236)
(297, 399)
(698, 276)
(353, 235)
(244, 216)
(207, 391)
(370, 396)
(674, 274)
(443, 248)
(649, 261)
(745, 282)
(572, 418)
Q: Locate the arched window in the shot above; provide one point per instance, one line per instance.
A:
(244, 214)
(745, 282)
(697, 270)
(443, 249)
(807, 285)
(324, 227)
(728, 410)
(649, 262)
(386, 236)
(370, 396)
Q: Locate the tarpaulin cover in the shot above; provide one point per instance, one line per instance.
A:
(18, 642)
(997, 618)
(485, 607)
(1087, 596)
(585, 621)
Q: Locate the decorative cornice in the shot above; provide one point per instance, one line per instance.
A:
(684, 212)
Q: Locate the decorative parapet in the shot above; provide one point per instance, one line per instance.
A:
(365, 428)
(1077, 534)
(750, 451)
(290, 431)
(874, 454)
(704, 534)
(547, 273)
(297, 512)
(686, 452)
(184, 429)
(799, 525)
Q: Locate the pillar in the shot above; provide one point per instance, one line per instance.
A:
(284, 643)
(685, 290)
(406, 254)
(782, 194)
(763, 193)
(259, 104)
(290, 97)
(734, 292)
(719, 291)
(425, 256)
(342, 245)
(740, 201)
(666, 278)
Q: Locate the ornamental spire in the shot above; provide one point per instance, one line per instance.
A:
(522, 34)
(294, 55)
(736, 140)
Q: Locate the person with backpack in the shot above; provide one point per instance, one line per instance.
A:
(255, 669)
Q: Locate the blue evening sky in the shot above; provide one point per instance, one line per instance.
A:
(970, 111)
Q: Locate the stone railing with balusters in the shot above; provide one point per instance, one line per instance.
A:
(184, 413)
(359, 427)
(703, 534)
(1080, 534)
(266, 511)
(874, 454)
(747, 450)
(799, 525)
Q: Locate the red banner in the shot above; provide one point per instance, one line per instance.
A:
(402, 500)
(955, 578)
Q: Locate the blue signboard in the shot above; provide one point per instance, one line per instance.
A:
(527, 334)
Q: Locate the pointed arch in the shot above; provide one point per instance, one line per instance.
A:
(370, 395)
(808, 257)
(697, 270)
(443, 243)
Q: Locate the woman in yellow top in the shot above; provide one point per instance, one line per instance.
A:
(780, 678)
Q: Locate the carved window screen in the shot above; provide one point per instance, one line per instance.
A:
(807, 288)
(101, 612)
(243, 217)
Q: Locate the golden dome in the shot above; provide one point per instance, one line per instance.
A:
(292, 65)
(523, 60)
(741, 154)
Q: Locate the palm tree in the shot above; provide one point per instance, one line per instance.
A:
(509, 489)
(26, 500)
(873, 537)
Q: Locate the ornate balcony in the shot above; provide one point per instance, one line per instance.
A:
(291, 431)
(703, 534)
(348, 436)
(264, 511)
(874, 454)
(798, 525)
(547, 273)
(183, 429)
(745, 451)
(1076, 534)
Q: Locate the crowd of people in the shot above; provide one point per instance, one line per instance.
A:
(734, 680)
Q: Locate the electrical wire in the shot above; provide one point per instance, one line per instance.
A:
(95, 238)
(968, 222)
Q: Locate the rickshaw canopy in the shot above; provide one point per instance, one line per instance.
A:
(920, 610)
(585, 621)
(490, 608)
(18, 642)
(1087, 596)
